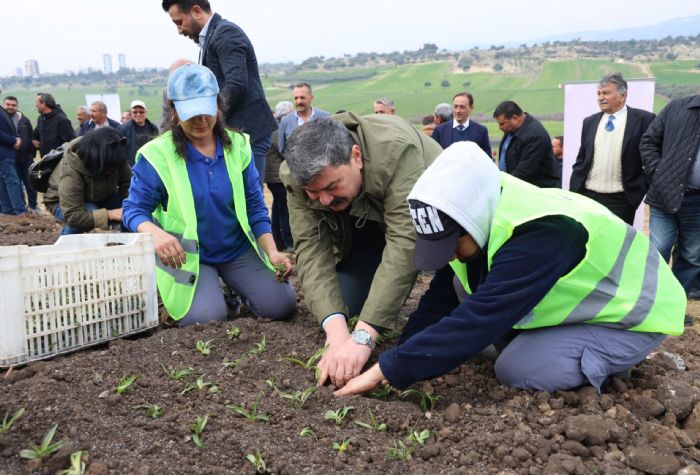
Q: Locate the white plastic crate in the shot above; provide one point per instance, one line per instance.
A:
(84, 290)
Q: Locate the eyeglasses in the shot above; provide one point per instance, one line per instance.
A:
(135, 111)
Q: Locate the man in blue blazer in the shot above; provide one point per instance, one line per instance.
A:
(461, 128)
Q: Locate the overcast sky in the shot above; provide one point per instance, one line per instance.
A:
(73, 34)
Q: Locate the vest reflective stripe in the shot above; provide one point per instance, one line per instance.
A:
(620, 282)
(177, 286)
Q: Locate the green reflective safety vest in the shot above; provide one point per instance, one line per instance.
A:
(621, 282)
(177, 286)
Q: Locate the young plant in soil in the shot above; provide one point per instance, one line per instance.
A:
(77, 464)
(231, 364)
(373, 423)
(38, 452)
(258, 348)
(252, 414)
(419, 437)
(124, 384)
(205, 347)
(177, 374)
(199, 385)
(338, 415)
(342, 446)
(233, 333)
(297, 398)
(383, 392)
(197, 427)
(399, 452)
(257, 461)
(308, 432)
(8, 420)
(426, 400)
(152, 410)
(310, 364)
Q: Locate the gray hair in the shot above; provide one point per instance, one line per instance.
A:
(315, 145)
(444, 111)
(85, 109)
(283, 108)
(617, 80)
(101, 106)
(385, 101)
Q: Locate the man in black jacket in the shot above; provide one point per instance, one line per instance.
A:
(138, 130)
(526, 149)
(53, 128)
(227, 51)
(670, 151)
(25, 150)
(608, 167)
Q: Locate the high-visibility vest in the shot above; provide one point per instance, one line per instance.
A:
(177, 286)
(621, 282)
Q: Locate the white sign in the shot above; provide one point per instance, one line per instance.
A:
(114, 110)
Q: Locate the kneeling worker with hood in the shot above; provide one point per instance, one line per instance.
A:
(584, 294)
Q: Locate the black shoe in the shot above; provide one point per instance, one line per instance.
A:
(694, 294)
(688, 321)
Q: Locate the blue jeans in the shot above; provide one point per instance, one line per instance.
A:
(683, 226)
(23, 174)
(11, 197)
(280, 217)
(260, 148)
(111, 202)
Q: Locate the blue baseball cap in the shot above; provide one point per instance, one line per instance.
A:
(193, 90)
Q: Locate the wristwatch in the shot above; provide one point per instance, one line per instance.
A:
(362, 337)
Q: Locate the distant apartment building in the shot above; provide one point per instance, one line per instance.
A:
(122, 61)
(31, 68)
(19, 72)
(107, 63)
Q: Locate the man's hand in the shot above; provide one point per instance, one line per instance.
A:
(114, 214)
(18, 143)
(344, 358)
(36, 143)
(365, 382)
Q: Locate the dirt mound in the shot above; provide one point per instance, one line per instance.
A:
(29, 229)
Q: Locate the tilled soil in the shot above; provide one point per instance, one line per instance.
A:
(649, 422)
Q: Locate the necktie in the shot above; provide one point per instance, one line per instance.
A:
(460, 128)
(504, 150)
(609, 126)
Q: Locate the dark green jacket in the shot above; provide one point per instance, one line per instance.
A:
(72, 185)
(394, 155)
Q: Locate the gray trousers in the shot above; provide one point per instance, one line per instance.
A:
(568, 356)
(251, 279)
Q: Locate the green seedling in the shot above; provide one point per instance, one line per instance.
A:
(388, 336)
(152, 410)
(258, 347)
(399, 452)
(125, 383)
(205, 347)
(297, 398)
(257, 461)
(177, 374)
(8, 420)
(341, 447)
(197, 427)
(309, 364)
(419, 437)
(233, 333)
(77, 464)
(199, 385)
(338, 415)
(252, 414)
(373, 423)
(383, 392)
(426, 400)
(352, 322)
(308, 432)
(231, 364)
(38, 452)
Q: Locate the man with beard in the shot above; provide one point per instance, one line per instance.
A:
(303, 97)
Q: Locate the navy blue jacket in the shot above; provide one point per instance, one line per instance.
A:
(137, 141)
(230, 55)
(8, 136)
(476, 133)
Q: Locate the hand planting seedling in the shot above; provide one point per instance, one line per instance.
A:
(205, 347)
(200, 384)
(297, 398)
(308, 432)
(253, 414)
(258, 347)
(8, 420)
(341, 447)
(373, 423)
(152, 410)
(257, 461)
(309, 364)
(399, 452)
(197, 427)
(338, 415)
(77, 464)
(124, 384)
(177, 374)
(426, 400)
(233, 333)
(419, 437)
(38, 452)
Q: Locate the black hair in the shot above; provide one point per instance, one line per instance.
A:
(12, 98)
(186, 5)
(560, 138)
(102, 150)
(468, 95)
(507, 109)
(47, 99)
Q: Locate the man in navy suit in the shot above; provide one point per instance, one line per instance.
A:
(608, 167)
(461, 128)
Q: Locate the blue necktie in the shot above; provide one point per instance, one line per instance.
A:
(460, 128)
(610, 126)
(502, 156)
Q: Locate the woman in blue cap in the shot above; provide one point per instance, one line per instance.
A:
(195, 189)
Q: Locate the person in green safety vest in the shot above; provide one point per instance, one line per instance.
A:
(195, 189)
(567, 292)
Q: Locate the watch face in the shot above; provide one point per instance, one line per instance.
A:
(362, 337)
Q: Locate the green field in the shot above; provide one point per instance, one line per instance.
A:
(356, 89)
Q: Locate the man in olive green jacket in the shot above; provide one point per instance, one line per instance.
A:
(85, 199)
(347, 179)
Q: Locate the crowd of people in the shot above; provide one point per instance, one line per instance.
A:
(557, 284)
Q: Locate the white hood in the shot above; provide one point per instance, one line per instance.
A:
(465, 184)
